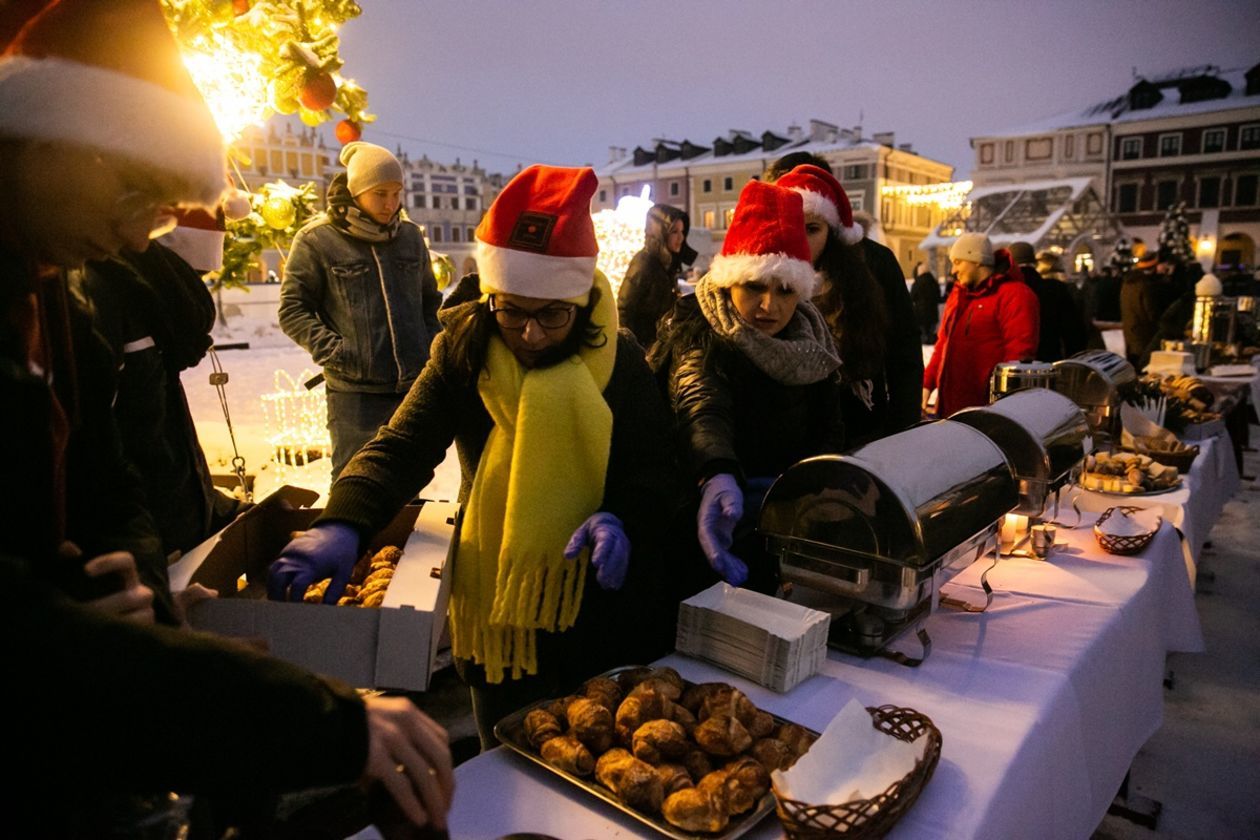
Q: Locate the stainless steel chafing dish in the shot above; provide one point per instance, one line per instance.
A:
(1009, 377)
(1097, 381)
(870, 536)
(1042, 434)
(1215, 323)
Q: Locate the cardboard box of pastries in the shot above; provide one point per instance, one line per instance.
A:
(392, 646)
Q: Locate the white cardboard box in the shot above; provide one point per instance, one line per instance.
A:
(391, 647)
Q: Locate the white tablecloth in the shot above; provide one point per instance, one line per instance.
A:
(1042, 701)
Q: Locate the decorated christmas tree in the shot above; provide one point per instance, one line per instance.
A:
(252, 59)
(1174, 234)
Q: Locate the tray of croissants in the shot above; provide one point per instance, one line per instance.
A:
(687, 759)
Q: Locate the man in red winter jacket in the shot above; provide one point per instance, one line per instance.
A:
(991, 316)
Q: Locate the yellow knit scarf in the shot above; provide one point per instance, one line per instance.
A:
(540, 476)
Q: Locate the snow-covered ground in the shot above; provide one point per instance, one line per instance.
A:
(252, 373)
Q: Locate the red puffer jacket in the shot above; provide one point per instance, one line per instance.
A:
(995, 321)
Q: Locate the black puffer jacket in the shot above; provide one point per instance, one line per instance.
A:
(646, 294)
(903, 361)
(731, 416)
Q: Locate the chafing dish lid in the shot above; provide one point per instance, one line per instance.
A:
(910, 497)
(1112, 368)
(1042, 432)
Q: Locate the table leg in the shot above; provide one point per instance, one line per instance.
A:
(1137, 809)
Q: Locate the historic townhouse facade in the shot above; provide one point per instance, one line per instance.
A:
(706, 180)
(1192, 137)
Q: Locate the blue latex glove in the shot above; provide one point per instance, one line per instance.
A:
(721, 508)
(328, 550)
(605, 536)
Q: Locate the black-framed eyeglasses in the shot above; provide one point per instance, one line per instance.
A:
(550, 317)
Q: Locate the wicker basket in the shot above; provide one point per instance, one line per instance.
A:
(868, 817)
(1121, 544)
(1182, 459)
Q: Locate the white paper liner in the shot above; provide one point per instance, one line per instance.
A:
(851, 760)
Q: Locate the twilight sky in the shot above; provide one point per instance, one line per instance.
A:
(522, 81)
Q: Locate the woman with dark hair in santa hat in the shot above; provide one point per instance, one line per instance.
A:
(563, 443)
(849, 298)
(752, 372)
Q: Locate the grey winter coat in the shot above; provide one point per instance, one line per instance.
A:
(365, 311)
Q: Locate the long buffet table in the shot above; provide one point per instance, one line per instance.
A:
(1043, 700)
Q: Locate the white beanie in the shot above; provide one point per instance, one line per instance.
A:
(975, 247)
(368, 165)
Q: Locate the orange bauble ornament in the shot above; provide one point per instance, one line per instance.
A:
(348, 131)
(318, 92)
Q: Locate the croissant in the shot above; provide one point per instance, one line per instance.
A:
(796, 738)
(604, 691)
(674, 777)
(559, 708)
(631, 677)
(714, 784)
(773, 754)
(746, 782)
(679, 714)
(658, 740)
(694, 696)
(695, 810)
(722, 735)
(761, 725)
(390, 554)
(541, 726)
(733, 702)
(665, 681)
(590, 723)
(698, 764)
(569, 754)
(635, 782)
(636, 710)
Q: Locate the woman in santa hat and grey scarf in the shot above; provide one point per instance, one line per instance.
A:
(753, 377)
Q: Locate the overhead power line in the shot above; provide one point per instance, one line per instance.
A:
(516, 156)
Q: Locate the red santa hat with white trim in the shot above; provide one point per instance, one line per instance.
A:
(823, 196)
(107, 75)
(538, 238)
(766, 240)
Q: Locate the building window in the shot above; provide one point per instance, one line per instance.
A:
(1249, 137)
(1165, 194)
(1008, 152)
(1093, 144)
(727, 215)
(1130, 148)
(417, 201)
(454, 233)
(857, 200)
(435, 233)
(986, 153)
(855, 172)
(1213, 141)
(603, 196)
(1170, 144)
(470, 204)
(1210, 192)
(673, 188)
(1069, 146)
(1127, 198)
(706, 185)
(472, 233)
(437, 202)
(710, 218)
(1245, 191)
(728, 183)
(1040, 149)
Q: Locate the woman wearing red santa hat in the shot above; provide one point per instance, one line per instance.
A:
(753, 376)
(563, 441)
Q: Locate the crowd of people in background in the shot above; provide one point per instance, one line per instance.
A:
(614, 446)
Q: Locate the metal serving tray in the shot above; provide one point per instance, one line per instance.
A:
(511, 733)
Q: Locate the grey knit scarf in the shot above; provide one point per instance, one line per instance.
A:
(802, 354)
(346, 215)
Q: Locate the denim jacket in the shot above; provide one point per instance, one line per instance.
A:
(365, 311)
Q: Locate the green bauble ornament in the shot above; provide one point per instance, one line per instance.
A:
(278, 212)
(443, 270)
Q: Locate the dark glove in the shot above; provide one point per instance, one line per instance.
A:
(721, 508)
(328, 550)
(604, 535)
